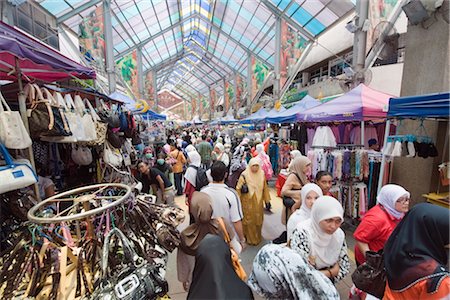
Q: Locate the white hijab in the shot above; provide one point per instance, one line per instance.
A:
(324, 247)
(190, 148)
(388, 196)
(191, 173)
(304, 213)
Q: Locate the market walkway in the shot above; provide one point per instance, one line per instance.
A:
(272, 228)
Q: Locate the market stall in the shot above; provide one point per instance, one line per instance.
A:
(290, 115)
(431, 106)
(256, 117)
(337, 142)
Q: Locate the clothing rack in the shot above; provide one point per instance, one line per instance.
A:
(338, 146)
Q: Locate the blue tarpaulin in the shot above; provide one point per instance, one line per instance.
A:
(424, 106)
(290, 115)
(151, 115)
(256, 117)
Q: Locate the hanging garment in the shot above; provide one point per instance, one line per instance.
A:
(324, 137)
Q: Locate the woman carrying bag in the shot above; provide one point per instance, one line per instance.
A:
(254, 193)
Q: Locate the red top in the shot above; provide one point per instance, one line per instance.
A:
(189, 189)
(374, 230)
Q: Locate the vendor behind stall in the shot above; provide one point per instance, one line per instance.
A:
(160, 184)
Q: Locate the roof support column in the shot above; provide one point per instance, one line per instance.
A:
(276, 80)
(140, 73)
(226, 99)
(155, 90)
(109, 44)
(360, 37)
(249, 84)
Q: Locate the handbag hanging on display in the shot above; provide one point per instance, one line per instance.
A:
(109, 116)
(112, 156)
(82, 156)
(12, 130)
(237, 266)
(61, 126)
(40, 114)
(100, 127)
(136, 278)
(15, 175)
(370, 277)
(73, 117)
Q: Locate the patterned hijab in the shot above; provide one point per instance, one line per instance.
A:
(282, 273)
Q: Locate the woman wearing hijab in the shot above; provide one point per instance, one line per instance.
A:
(265, 161)
(310, 192)
(293, 155)
(191, 237)
(281, 273)
(379, 222)
(252, 202)
(416, 255)
(220, 155)
(237, 166)
(321, 241)
(214, 276)
(190, 176)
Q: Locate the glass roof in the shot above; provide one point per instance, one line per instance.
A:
(195, 44)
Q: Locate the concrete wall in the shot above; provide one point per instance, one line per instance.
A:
(387, 79)
(425, 71)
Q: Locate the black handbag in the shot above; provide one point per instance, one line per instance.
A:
(288, 201)
(114, 139)
(370, 277)
(244, 187)
(137, 279)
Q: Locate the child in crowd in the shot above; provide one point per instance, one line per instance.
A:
(324, 179)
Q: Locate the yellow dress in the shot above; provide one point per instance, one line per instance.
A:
(253, 210)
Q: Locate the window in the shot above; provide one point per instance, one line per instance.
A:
(37, 23)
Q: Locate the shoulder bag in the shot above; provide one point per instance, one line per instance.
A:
(12, 130)
(370, 277)
(15, 175)
(244, 187)
(237, 266)
(40, 114)
(136, 279)
(73, 116)
(112, 156)
(61, 126)
(100, 127)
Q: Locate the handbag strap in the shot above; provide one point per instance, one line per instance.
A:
(127, 250)
(6, 155)
(3, 102)
(226, 236)
(92, 111)
(60, 100)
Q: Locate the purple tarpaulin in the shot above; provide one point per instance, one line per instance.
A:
(361, 103)
(36, 59)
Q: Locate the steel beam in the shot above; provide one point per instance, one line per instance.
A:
(76, 11)
(109, 44)
(277, 13)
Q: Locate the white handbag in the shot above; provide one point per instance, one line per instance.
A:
(12, 130)
(82, 156)
(89, 125)
(112, 156)
(15, 174)
(73, 117)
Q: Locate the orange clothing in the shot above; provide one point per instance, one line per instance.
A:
(419, 291)
(181, 160)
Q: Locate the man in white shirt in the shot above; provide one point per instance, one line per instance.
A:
(226, 204)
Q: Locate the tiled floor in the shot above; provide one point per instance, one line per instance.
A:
(272, 228)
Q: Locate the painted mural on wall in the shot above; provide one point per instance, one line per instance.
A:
(240, 88)
(204, 107)
(213, 100)
(259, 73)
(92, 40)
(229, 95)
(127, 68)
(379, 12)
(148, 86)
(292, 46)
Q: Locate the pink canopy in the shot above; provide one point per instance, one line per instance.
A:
(361, 103)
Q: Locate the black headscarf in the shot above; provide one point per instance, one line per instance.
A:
(415, 250)
(214, 276)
